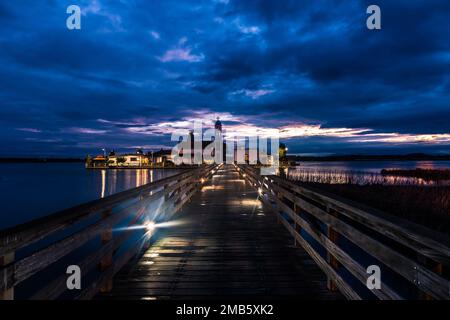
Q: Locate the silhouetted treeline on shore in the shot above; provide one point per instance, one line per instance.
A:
(39, 160)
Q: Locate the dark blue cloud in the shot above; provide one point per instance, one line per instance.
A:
(138, 63)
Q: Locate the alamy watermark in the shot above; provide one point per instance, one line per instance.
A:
(373, 281)
(73, 281)
(374, 20)
(73, 22)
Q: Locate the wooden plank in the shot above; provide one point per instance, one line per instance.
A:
(430, 282)
(333, 236)
(107, 259)
(238, 243)
(345, 259)
(330, 272)
(55, 288)
(423, 240)
(39, 260)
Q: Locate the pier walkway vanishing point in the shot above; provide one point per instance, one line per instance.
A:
(229, 245)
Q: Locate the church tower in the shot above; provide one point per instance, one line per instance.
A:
(218, 125)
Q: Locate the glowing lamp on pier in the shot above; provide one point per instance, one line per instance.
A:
(150, 226)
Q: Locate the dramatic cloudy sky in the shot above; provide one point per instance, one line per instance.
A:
(140, 68)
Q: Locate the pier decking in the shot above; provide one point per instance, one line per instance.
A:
(233, 234)
(230, 245)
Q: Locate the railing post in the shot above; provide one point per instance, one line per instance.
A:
(8, 294)
(106, 261)
(333, 235)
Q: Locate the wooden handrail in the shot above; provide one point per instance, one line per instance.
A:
(397, 244)
(176, 190)
(416, 237)
(25, 234)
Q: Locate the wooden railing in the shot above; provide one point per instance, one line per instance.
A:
(46, 246)
(344, 239)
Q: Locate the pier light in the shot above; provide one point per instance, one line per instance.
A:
(150, 226)
(202, 180)
(244, 175)
(260, 192)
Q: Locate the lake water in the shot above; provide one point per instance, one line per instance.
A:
(374, 166)
(32, 190)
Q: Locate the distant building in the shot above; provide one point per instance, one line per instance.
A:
(128, 160)
(162, 156)
(96, 162)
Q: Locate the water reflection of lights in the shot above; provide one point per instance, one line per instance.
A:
(112, 181)
(103, 183)
(138, 178)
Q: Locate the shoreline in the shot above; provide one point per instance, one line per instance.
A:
(289, 158)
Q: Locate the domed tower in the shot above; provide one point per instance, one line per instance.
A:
(218, 125)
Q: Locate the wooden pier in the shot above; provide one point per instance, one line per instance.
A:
(223, 231)
(230, 245)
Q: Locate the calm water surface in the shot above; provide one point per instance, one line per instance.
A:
(374, 166)
(32, 190)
